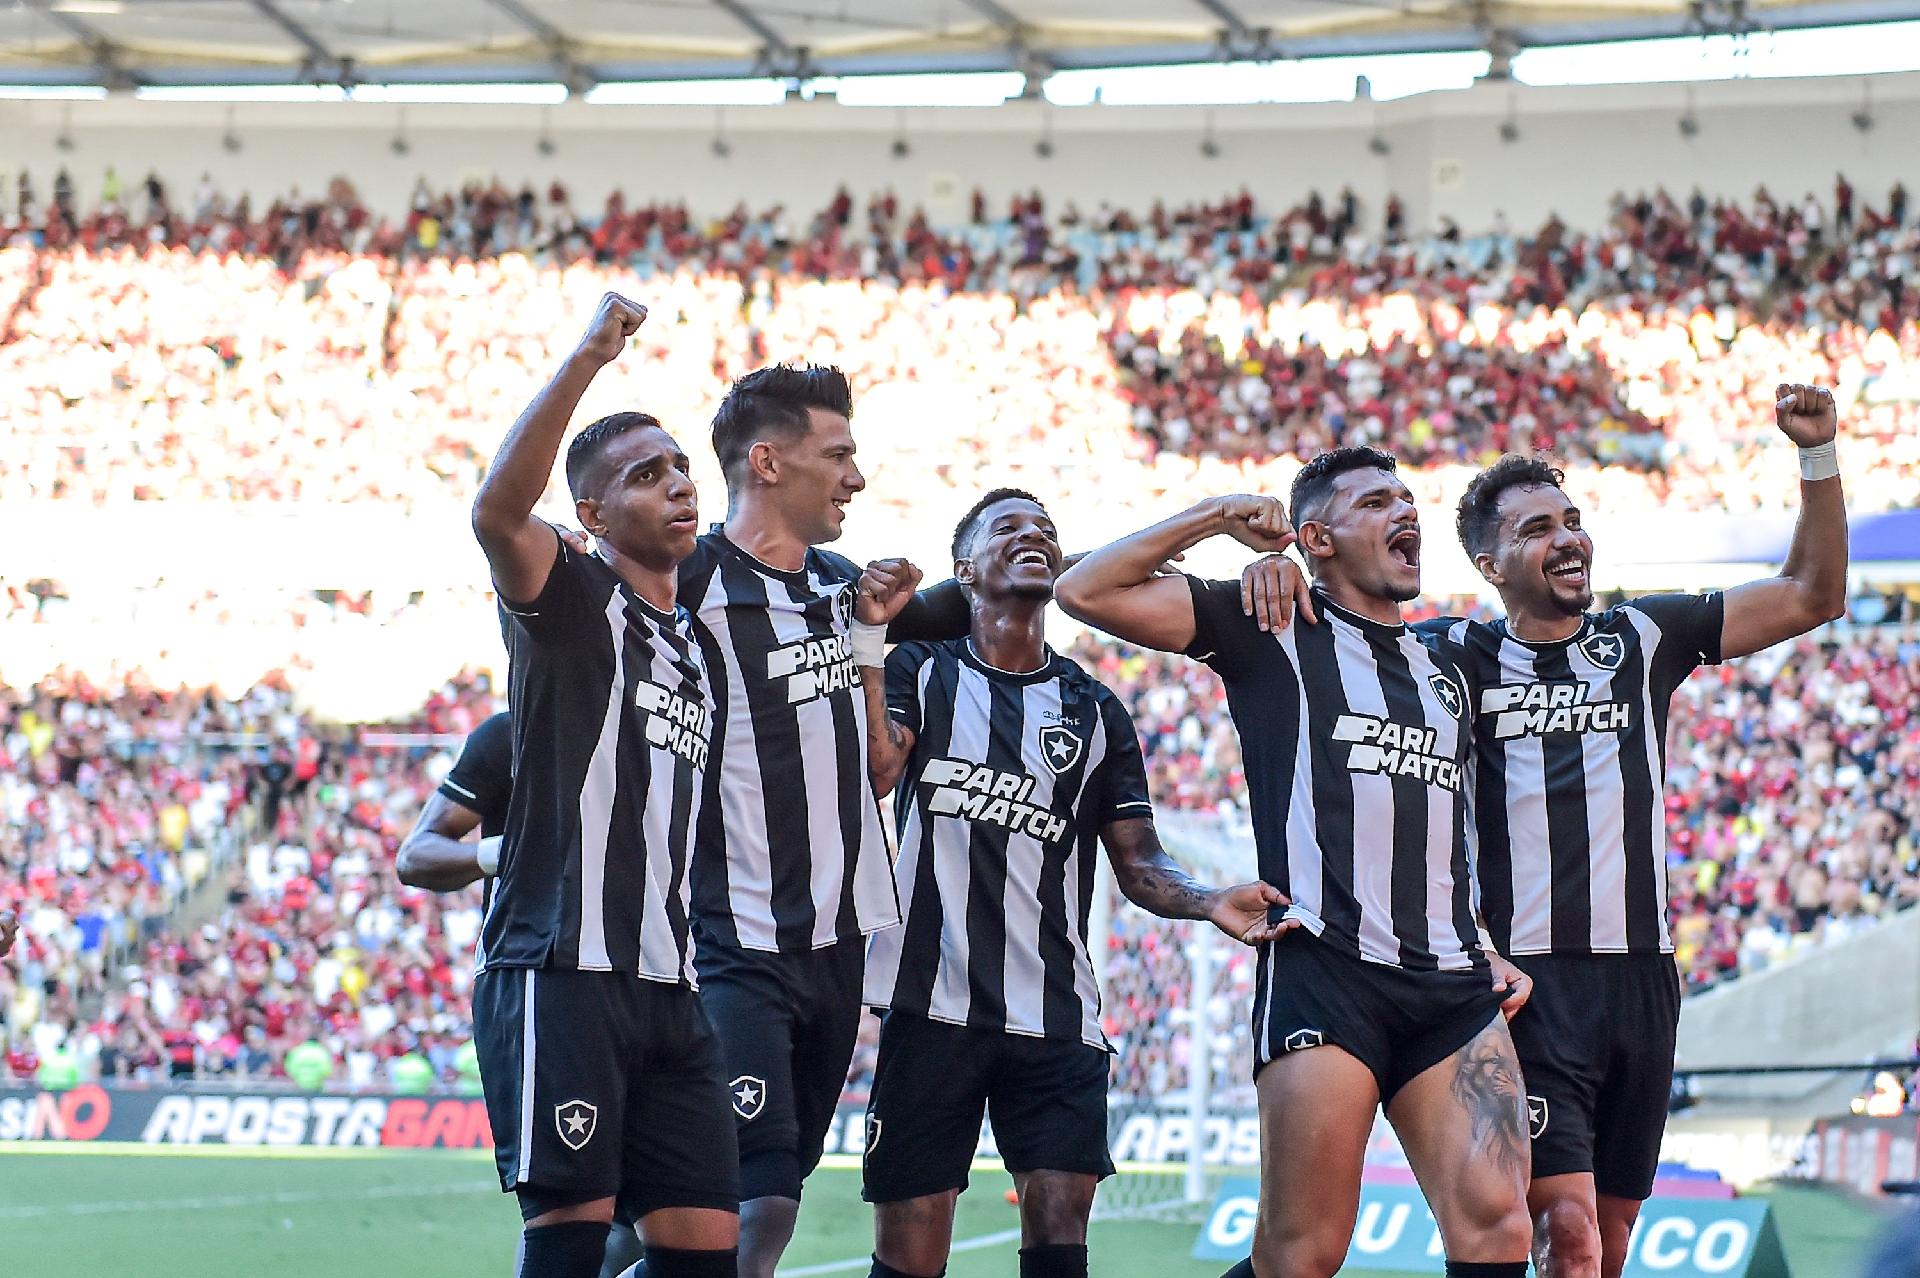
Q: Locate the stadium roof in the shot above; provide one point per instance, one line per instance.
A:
(127, 43)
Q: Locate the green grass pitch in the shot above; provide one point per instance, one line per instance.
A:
(69, 1213)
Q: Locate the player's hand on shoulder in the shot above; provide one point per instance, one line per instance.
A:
(1806, 414)
(575, 540)
(1256, 521)
(615, 321)
(1510, 980)
(9, 926)
(1271, 587)
(883, 590)
(1241, 912)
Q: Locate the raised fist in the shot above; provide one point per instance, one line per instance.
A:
(1258, 522)
(1806, 414)
(616, 320)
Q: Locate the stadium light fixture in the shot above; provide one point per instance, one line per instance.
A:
(1689, 122)
(720, 147)
(1863, 118)
(688, 93)
(52, 92)
(1209, 144)
(230, 140)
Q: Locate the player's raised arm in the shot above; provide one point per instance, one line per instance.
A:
(521, 549)
(1812, 586)
(434, 854)
(1121, 589)
(883, 590)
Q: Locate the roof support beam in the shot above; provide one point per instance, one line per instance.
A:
(777, 56)
(321, 64)
(577, 77)
(105, 53)
(1237, 38)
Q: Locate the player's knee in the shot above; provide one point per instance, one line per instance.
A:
(1566, 1239)
(1315, 1254)
(1055, 1207)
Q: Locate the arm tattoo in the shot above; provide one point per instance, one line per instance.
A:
(1151, 879)
(896, 735)
(1486, 1081)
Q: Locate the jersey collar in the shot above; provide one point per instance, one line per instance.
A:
(971, 655)
(1366, 625)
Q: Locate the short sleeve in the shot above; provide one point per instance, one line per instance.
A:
(1123, 773)
(1224, 637)
(482, 778)
(559, 602)
(903, 668)
(1690, 627)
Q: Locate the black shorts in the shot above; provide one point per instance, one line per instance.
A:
(1397, 1023)
(933, 1084)
(1596, 1044)
(787, 1024)
(602, 1084)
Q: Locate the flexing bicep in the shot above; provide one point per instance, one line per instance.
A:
(1156, 613)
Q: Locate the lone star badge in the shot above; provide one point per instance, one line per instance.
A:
(575, 1120)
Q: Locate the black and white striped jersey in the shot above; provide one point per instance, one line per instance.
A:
(1356, 745)
(1571, 753)
(1010, 781)
(611, 719)
(790, 855)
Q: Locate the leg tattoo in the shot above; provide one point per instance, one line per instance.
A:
(1487, 1081)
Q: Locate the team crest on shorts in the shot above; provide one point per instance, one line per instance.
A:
(1536, 1116)
(749, 1096)
(873, 1132)
(1059, 747)
(1300, 1040)
(575, 1120)
(1604, 650)
(1447, 692)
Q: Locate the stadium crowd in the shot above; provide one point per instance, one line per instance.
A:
(1793, 816)
(316, 352)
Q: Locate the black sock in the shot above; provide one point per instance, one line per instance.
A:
(1242, 1270)
(1054, 1260)
(1486, 1269)
(572, 1249)
(673, 1262)
(881, 1269)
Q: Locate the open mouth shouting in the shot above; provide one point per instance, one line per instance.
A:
(1404, 547)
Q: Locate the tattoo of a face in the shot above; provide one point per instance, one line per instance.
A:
(1486, 1080)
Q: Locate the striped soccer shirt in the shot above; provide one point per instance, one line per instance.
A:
(611, 717)
(1009, 783)
(1570, 744)
(1356, 746)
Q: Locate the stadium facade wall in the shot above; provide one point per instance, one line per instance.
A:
(1445, 157)
(1853, 1001)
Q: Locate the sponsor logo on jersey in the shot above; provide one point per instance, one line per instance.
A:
(575, 1120)
(749, 1096)
(1059, 747)
(814, 667)
(680, 725)
(957, 788)
(1551, 709)
(1396, 750)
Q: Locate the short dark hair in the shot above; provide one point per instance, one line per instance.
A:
(1478, 518)
(774, 401)
(1314, 483)
(963, 531)
(587, 446)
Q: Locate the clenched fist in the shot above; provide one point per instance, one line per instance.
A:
(1806, 414)
(616, 320)
(1257, 522)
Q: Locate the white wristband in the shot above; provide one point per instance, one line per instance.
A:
(488, 856)
(869, 645)
(1822, 461)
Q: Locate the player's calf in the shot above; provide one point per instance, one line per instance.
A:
(1055, 1207)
